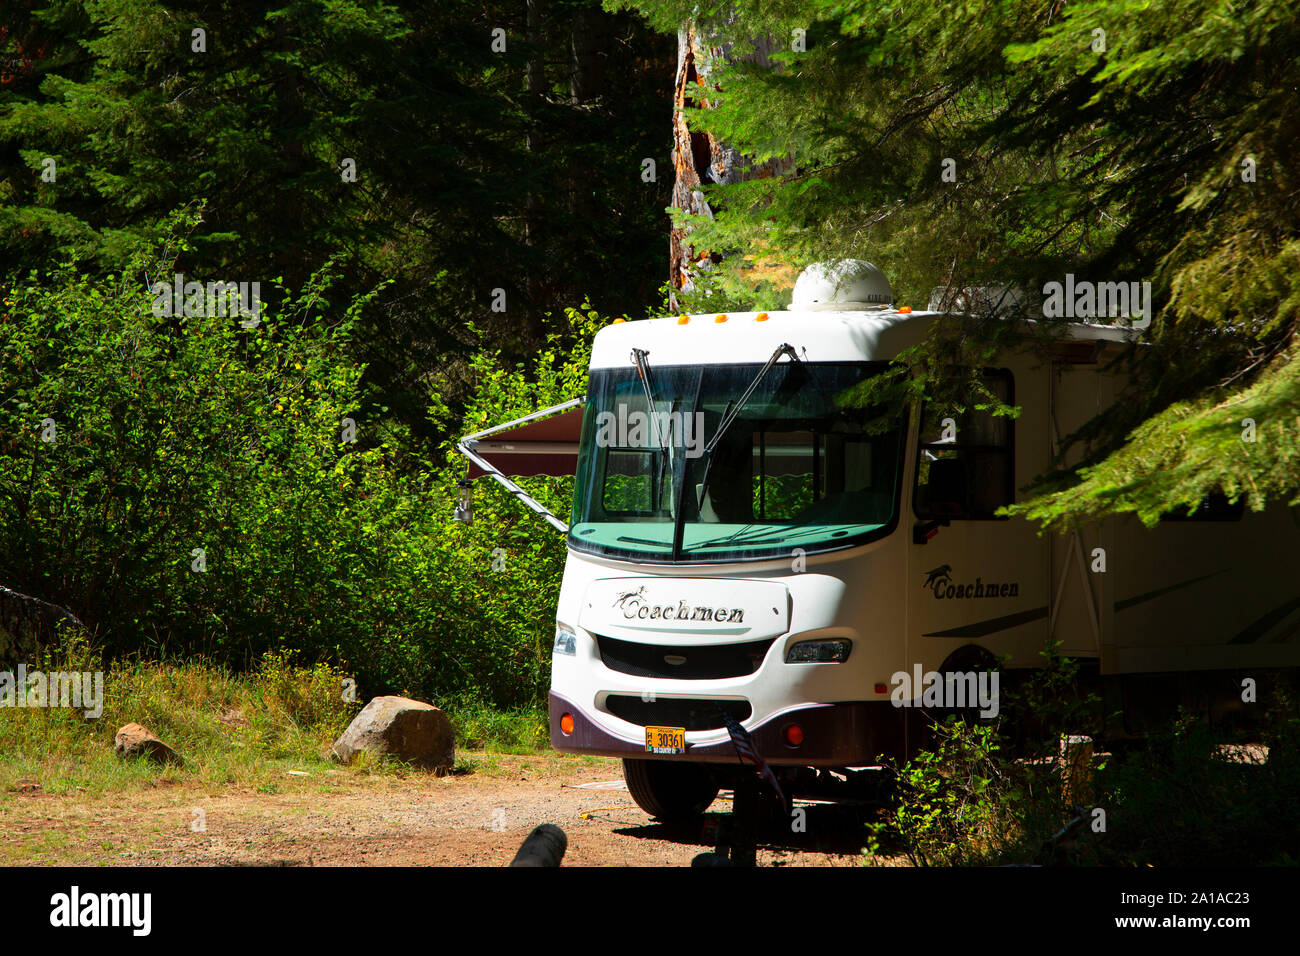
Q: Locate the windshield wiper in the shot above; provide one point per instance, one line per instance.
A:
(657, 544)
(681, 471)
(747, 543)
(733, 412)
(643, 373)
(762, 537)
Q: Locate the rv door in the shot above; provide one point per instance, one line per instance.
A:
(543, 443)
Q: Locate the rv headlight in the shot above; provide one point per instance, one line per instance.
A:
(818, 652)
(566, 642)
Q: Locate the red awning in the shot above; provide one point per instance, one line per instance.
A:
(547, 447)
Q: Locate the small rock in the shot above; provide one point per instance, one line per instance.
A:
(409, 730)
(134, 740)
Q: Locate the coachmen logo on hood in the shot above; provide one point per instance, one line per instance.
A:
(634, 604)
(710, 610)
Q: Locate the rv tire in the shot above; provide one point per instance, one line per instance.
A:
(670, 790)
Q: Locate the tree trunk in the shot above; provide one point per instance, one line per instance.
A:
(588, 39)
(535, 85)
(700, 159)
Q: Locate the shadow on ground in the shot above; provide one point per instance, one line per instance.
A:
(822, 828)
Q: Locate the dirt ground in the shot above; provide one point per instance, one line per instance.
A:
(341, 818)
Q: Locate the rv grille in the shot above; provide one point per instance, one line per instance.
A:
(691, 713)
(702, 662)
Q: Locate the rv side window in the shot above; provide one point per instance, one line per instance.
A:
(966, 466)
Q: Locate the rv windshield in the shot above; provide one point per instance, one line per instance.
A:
(793, 470)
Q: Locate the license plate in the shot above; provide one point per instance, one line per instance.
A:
(665, 740)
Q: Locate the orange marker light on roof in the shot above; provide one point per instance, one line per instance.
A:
(683, 319)
(905, 309)
(719, 318)
(618, 321)
(761, 317)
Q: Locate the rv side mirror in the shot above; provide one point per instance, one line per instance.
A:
(464, 502)
(923, 531)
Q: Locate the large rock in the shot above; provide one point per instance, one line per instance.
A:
(409, 730)
(133, 740)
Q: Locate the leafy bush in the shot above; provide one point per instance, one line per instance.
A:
(990, 794)
(172, 435)
(965, 801)
(1184, 799)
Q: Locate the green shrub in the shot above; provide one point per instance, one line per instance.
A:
(993, 794)
(178, 434)
(1184, 799)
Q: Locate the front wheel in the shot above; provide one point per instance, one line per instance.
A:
(668, 790)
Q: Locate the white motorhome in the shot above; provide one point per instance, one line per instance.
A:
(742, 543)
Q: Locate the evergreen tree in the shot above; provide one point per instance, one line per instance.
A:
(1016, 142)
(407, 140)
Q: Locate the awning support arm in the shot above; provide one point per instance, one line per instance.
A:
(466, 446)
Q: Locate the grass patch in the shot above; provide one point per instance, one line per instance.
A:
(480, 727)
(244, 730)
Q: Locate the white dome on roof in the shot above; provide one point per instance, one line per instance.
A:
(847, 285)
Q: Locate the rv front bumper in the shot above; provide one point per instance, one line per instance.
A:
(853, 734)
